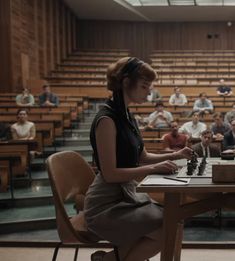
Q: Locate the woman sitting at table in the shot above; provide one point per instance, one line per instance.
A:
(23, 129)
(113, 210)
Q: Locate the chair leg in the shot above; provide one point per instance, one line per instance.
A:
(76, 253)
(178, 242)
(116, 253)
(56, 251)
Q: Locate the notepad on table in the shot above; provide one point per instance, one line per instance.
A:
(164, 181)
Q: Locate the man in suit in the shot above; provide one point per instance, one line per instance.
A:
(205, 148)
(229, 138)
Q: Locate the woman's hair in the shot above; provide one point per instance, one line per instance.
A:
(159, 103)
(130, 67)
(22, 109)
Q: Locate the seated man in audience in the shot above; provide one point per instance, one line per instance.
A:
(218, 127)
(174, 140)
(203, 105)
(159, 118)
(154, 96)
(205, 148)
(224, 89)
(229, 138)
(230, 115)
(23, 129)
(193, 128)
(25, 98)
(47, 98)
(178, 98)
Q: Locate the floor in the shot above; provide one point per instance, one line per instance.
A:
(45, 254)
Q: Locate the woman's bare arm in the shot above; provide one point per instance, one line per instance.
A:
(106, 147)
(149, 158)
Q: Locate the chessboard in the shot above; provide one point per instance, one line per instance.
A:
(198, 168)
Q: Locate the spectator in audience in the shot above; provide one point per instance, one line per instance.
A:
(193, 128)
(47, 98)
(154, 95)
(159, 118)
(205, 148)
(229, 138)
(25, 98)
(230, 115)
(5, 132)
(174, 140)
(219, 128)
(224, 89)
(23, 129)
(178, 98)
(203, 105)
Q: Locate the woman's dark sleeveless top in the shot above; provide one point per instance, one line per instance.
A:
(129, 144)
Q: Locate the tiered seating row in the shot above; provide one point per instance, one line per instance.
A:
(50, 123)
(85, 70)
(195, 67)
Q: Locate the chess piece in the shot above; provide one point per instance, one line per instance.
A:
(192, 165)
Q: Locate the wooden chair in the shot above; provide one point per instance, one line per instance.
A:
(70, 176)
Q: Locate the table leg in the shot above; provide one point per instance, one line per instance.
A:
(170, 225)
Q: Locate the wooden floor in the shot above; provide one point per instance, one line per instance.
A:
(45, 254)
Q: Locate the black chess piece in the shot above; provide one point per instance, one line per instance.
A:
(192, 165)
(202, 167)
(190, 168)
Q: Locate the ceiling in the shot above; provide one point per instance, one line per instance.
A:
(121, 11)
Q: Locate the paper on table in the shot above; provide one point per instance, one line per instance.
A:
(156, 180)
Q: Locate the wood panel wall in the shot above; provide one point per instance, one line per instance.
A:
(5, 48)
(142, 38)
(36, 35)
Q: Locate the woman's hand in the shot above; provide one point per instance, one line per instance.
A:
(165, 167)
(186, 153)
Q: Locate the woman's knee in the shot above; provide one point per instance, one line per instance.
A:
(156, 235)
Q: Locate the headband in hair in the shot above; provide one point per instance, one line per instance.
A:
(131, 66)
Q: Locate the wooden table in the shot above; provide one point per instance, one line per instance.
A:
(219, 195)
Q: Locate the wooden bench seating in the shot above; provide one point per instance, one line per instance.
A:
(21, 152)
(4, 175)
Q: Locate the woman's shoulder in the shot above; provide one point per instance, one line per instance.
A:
(30, 123)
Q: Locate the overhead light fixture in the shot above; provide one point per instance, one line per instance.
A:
(209, 2)
(181, 2)
(134, 2)
(147, 2)
(229, 2)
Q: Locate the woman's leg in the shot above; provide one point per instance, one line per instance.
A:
(144, 248)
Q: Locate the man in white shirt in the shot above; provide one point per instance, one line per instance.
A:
(160, 118)
(203, 105)
(178, 98)
(154, 96)
(193, 128)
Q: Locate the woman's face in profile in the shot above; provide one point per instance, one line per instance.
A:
(139, 93)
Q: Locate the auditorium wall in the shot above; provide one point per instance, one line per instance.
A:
(35, 35)
(142, 38)
(5, 61)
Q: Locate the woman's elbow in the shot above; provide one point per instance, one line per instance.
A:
(109, 176)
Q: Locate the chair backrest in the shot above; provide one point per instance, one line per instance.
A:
(70, 176)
